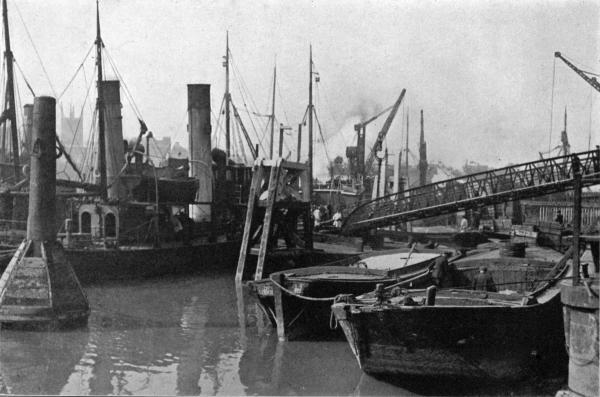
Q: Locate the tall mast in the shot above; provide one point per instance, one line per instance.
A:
(310, 125)
(273, 112)
(100, 106)
(407, 176)
(227, 102)
(422, 155)
(10, 93)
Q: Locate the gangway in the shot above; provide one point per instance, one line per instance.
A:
(472, 191)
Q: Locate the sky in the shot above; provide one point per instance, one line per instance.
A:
(483, 72)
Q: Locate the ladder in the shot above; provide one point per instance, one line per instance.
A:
(278, 197)
(511, 183)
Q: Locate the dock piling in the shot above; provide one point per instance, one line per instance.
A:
(39, 286)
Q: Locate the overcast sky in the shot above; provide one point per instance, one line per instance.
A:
(482, 71)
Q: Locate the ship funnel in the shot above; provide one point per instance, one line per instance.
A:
(28, 124)
(200, 149)
(115, 148)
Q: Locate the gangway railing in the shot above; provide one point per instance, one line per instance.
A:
(496, 186)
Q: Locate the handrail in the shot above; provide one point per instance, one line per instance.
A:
(483, 188)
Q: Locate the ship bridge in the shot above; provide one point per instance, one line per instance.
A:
(472, 191)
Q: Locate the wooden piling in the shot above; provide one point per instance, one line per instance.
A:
(279, 314)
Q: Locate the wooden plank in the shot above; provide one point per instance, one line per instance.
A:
(279, 314)
(252, 198)
(264, 240)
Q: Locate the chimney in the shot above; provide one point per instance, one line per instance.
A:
(115, 152)
(28, 123)
(200, 149)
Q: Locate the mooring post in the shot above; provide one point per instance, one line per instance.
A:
(580, 308)
(431, 292)
(41, 221)
(39, 286)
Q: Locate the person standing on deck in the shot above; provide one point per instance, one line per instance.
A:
(483, 281)
(464, 224)
(559, 218)
(337, 219)
(442, 273)
(317, 217)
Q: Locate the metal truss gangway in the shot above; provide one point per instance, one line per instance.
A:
(515, 182)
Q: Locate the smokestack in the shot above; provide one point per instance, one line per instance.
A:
(115, 150)
(28, 123)
(200, 149)
(422, 156)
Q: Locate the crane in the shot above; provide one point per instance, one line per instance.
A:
(356, 154)
(384, 130)
(584, 75)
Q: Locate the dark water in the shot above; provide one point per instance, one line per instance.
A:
(183, 336)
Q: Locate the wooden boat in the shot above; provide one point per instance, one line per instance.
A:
(447, 236)
(298, 301)
(460, 332)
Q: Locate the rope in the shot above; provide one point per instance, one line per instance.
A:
(282, 104)
(132, 103)
(35, 49)
(243, 93)
(218, 122)
(24, 78)
(322, 138)
(74, 75)
(78, 122)
(331, 114)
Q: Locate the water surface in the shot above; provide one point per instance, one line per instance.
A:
(196, 336)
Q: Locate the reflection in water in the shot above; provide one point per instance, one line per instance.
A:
(39, 362)
(181, 336)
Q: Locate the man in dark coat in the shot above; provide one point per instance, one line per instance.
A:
(483, 281)
(442, 273)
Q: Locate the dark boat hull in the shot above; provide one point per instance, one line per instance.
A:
(484, 342)
(298, 301)
(100, 264)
